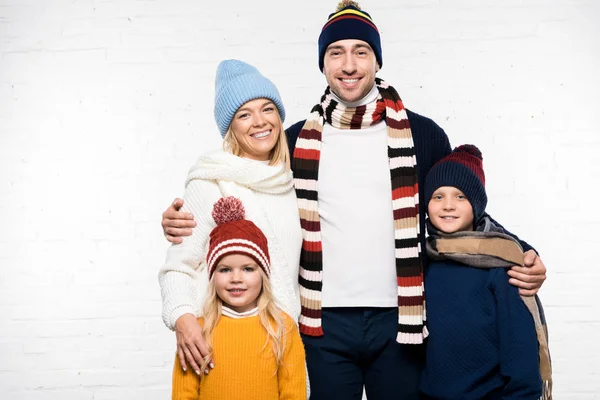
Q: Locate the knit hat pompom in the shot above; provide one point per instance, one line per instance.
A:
(228, 209)
(235, 235)
(347, 3)
(469, 149)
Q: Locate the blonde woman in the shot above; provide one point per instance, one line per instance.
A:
(259, 347)
(253, 166)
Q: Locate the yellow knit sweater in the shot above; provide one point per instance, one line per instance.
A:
(244, 368)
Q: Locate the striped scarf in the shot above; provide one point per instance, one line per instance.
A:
(405, 201)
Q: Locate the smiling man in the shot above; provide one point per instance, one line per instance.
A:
(359, 161)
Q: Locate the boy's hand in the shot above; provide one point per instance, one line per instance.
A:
(176, 223)
(190, 344)
(529, 278)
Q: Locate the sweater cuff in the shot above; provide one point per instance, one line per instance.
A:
(178, 312)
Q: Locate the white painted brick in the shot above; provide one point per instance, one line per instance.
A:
(104, 106)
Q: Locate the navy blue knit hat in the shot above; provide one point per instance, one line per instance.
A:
(349, 22)
(462, 169)
(237, 83)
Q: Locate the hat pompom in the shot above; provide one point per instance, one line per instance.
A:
(346, 3)
(469, 149)
(228, 209)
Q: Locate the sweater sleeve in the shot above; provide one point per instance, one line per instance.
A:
(291, 134)
(182, 279)
(518, 341)
(292, 374)
(186, 384)
(442, 148)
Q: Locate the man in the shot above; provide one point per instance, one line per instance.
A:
(359, 163)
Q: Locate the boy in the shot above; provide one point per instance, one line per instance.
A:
(484, 343)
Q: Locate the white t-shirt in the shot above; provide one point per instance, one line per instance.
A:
(357, 223)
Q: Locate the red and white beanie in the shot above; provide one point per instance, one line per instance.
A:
(235, 235)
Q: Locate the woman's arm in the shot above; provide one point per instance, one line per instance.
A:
(183, 280)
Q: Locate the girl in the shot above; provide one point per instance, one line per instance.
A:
(258, 347)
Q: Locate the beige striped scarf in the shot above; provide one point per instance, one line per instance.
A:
(489, 247)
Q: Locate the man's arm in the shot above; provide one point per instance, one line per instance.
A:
(526, 246)
(291, 134)
(176, 224)
(530, 277)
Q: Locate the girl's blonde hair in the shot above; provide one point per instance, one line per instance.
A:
(279, 154)
(270, 317)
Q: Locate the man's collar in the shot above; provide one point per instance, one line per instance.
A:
(369, 98)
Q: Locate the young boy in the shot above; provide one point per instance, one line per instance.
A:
(484, 343)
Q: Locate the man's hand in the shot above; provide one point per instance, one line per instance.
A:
(190, 345)
(176, 223)
(529, 278)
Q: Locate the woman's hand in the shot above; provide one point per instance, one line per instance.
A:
(190, 344)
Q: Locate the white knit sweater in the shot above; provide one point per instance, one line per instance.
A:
(270, 201)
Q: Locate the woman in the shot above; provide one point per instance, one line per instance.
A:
(253, 166)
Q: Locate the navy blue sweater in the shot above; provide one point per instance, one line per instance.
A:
(482, 342)
(431, 145)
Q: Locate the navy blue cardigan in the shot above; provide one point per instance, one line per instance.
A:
(431, 145)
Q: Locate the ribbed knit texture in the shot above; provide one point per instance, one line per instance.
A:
(244, 368)
(388, 107)
(350, 22)
(235, 235)
(237, 83)
(482, 343)
(462, 169)
(270, 202)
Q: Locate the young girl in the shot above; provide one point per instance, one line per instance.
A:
(257, 347)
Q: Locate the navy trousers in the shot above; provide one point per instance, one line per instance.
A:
(359, 348)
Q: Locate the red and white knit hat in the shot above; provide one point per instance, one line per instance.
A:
(235, 235)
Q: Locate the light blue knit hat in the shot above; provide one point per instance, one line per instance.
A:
(237, 83)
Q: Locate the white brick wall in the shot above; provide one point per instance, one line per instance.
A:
(105, 104)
